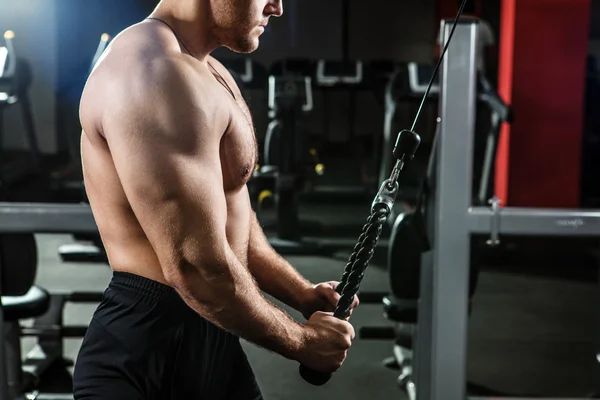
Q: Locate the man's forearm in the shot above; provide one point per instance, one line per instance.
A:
(272, 272)
(231, 300)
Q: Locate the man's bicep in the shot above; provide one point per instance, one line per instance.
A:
(171, 174)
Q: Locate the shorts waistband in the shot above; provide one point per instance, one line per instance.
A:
(144, 287)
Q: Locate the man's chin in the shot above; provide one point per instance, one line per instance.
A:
(244, 48)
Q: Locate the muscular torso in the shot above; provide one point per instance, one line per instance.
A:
(126, 244)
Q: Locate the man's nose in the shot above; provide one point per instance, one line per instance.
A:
(275, 8)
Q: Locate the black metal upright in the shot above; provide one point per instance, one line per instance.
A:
(345, 30)
(288, 223)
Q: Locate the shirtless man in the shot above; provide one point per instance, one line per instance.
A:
(167, 148)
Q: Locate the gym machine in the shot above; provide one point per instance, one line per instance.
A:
(441, 340)
(440, 357)
(290, 96)
(290, 165)
(15, 79)
(409, 239)
(346, 77)
(87, 249)
(295, 70)
(24, 380)
(351, 78)
(407, 84)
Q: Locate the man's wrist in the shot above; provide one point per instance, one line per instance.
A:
(296, 341)
(306, 298)
(306, 289)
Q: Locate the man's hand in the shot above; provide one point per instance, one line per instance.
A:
(326, 342)
(323, 297)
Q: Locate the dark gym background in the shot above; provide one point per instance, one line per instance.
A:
(59, 37)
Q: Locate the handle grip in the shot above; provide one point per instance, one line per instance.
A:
(350, 282)
(316, 378)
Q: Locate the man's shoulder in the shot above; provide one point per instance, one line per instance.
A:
(147, 75)
(137, 55)
(135, 70)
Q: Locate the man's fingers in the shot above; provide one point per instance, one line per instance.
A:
(333, 297)
(323, 314)
(349, 315)
(334, 285)
(329, 294)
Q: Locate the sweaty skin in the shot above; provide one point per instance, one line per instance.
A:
(167, 153)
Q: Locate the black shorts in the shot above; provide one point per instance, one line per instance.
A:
(145, 343)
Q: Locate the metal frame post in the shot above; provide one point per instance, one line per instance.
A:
(442, 349)
(4, 392)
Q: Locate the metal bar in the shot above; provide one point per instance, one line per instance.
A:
(62, 332)
(345, 30)
(84, 297)
(597, 338)
(377, 333)
(53, 396)
(30, 132)
(371, 297)
(442, 373)
(528, 398)
(4, 394)
(46, 218)
(104, 39)
(422, 356)
(535, 222)
(74, 331)
(12, 55)
(3, 58)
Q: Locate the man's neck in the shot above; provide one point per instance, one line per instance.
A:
(191, 22)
